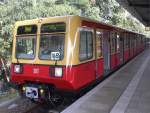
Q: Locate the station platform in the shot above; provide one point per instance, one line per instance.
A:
(125, 91)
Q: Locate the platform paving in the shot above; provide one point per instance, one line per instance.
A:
(125, 91)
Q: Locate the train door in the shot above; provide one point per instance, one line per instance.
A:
(129, 46)
(106, 52)
(98, 53)
(86, 56)
(121, 51)
(134, 45)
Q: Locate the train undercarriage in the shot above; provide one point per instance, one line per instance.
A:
(41, 93)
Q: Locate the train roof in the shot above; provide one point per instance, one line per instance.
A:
(111, 26)
(35, 21)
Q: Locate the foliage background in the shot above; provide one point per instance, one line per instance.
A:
(108, 11)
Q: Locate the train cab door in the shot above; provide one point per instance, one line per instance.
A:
(106, 52)
(98, 53)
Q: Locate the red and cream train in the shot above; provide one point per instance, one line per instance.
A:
(66, 54)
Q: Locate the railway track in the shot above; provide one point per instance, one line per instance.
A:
(23, 105)
(33, 109)
(47, 108)
(43, 109)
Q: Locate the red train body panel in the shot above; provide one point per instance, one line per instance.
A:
(73, 77)
(114, 61)
(126, 54)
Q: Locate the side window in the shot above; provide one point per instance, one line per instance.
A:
(86, 45)
(89, 44)
(82, 54)
(134, 41)
(132, 38)
(118, 42)
(125, 41)
(113, 42)
(99, 43)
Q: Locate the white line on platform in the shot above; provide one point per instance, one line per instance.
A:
(125, 98)
(82, 100)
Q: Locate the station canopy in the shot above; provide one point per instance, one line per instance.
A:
(138, 8)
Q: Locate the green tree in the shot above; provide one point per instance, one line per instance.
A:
(16, 10)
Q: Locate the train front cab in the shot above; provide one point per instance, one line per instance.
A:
(31, 69)
(79, 66)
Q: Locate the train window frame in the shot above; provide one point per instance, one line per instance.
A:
(53, 23)
(132, 41)
(55, 33)
(117, 42)
(34, 46)
(26, 34)
(125, 40)
(128, 39)
(113, 42)
(30, 33)
(99, 37)
(86, 30)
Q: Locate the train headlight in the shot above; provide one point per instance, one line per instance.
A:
(17, 68)
(23, 88)
(41, 91)
(58, 72)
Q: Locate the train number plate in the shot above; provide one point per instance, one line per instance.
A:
(32, 92)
